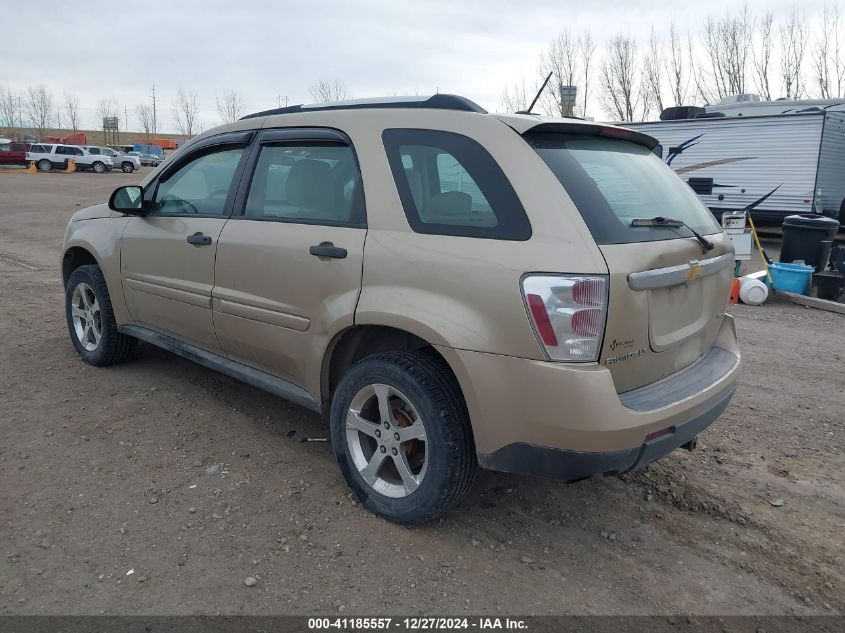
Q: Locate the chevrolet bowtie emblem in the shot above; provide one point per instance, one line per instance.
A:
(693, 272)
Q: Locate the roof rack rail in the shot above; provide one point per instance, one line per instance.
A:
(437, 102)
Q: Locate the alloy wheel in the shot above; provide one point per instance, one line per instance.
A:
(87, 319)
(387, 440)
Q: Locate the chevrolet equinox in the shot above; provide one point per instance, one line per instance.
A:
(453, 288)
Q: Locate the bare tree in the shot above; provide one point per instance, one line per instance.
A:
(587, 48)
(9, 113)
(108, 108)
(619, 85)
(838, 55)
(824, 52)
(185, 111)
(324, 90)
(144, 114)
(793, 44)
(726, 42)
(72, 110)
(761, 56)
(653, 64)
(676, 67)
(516, 97)
(230, 106)
(38, 106)
(560, 59)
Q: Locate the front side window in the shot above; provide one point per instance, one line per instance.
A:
(62, 150)
(75, 151)
(313, 182)
(38, 148)
(94, 150)
(613, 182)
(450, 185)
(199, 187)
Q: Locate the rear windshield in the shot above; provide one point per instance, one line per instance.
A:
(613, 182)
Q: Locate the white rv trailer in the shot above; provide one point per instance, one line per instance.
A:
(735, 152)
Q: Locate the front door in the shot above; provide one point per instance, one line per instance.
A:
(289, 262)
(167, 257)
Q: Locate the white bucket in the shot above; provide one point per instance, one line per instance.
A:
(752, 291)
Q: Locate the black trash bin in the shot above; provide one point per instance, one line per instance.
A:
(808, 238)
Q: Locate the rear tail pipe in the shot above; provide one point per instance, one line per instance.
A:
(691, 445)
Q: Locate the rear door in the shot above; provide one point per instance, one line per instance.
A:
(167, 257)
(668, 292)
(288, 271)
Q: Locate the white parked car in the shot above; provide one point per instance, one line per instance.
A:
(50, 155)
(126, 162)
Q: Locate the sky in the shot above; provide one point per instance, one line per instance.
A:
(269, 51)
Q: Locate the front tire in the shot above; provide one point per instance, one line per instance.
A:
(90, 319)
(127, 168)
(401, 436)
(45, 165)
(98, 167)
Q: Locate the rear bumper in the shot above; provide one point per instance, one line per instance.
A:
(568, 422)
(566, 465)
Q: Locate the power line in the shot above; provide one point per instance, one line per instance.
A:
(155, 131)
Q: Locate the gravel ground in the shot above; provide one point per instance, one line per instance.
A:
(160, 487)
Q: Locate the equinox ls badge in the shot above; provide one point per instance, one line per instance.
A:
(626, 356)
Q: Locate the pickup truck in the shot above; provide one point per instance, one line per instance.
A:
(12, 153)
(47, 156)
(126, 162)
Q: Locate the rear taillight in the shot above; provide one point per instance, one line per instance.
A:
(568, 314)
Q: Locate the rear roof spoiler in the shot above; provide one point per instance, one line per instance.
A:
(590, 129)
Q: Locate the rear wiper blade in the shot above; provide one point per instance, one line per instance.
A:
(672, 223)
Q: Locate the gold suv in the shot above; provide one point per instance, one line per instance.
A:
(453, 288)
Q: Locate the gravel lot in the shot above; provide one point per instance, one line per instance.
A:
(107, 504)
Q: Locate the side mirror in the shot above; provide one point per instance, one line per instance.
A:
(658, 151)
(128, 199)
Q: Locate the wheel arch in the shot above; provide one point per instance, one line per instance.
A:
(73, 258)
(356, 342)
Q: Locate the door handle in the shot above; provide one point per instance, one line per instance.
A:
(198, 239)
(327, 249)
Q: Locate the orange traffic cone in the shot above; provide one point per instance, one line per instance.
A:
(734, 296)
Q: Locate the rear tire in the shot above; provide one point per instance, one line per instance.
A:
(127, 167)
(401, 436)
(44, 165)
(98, 167)
(90, 319)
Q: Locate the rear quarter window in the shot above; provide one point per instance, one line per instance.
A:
(450, 185)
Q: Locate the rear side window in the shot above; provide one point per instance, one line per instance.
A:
(450, 185)
(613, 182)
(314, 182)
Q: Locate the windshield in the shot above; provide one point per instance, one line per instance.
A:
(613, 182)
